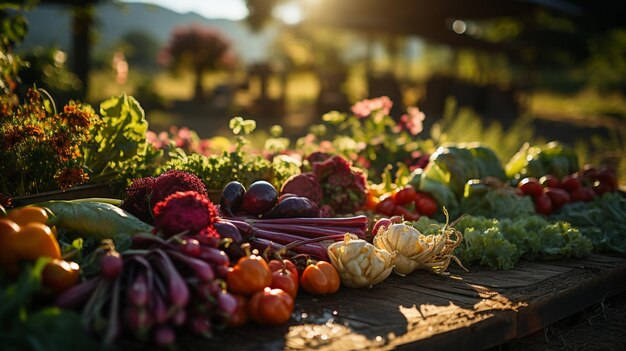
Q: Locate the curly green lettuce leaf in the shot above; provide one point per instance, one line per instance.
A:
(603, 221)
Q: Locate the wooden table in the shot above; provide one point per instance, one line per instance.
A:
(463, 311)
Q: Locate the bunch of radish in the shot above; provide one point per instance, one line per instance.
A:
(154, 289)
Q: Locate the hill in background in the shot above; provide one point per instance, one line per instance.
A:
(51, 25)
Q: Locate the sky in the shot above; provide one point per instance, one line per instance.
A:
(230, 9)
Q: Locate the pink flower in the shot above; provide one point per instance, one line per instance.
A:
(366, 107)
(412, 121)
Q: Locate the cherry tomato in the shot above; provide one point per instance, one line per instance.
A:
(240, 316)
(550, 181)
(608, 177)
(249, 275)
(559, 197)
(426, 204)
(386, 206)
(582, 194)
(282, 279)
(320, 278)
(270, 307)
(278, 265)
(60, 275)
(405, 195)
(543, 204)
(571, 183)
(25, 215)
(530, 186)
(406, 214)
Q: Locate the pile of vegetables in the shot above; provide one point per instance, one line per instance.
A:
(284, 225)
(452, 166)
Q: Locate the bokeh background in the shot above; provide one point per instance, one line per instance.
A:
(524, 69)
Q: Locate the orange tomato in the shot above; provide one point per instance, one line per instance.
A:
(60, 275)
(25, 215)
(249, 275)
(270, 307)
(320, 278)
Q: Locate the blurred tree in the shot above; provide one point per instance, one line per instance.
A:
(140, 48)
(260, 12)
(199, 49)
(47, 68)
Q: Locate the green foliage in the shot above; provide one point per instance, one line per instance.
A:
(24, 326)
(47, 68)
(239, 164)
(603, 221)
(452, 166)
(463, 125)
(553, 158)
(119, 141)
(499, 244)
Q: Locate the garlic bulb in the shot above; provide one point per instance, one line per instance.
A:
(417, 251)
(411, 246)
(359, 263)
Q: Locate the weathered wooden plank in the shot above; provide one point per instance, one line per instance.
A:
(466, 311)
(573, 296)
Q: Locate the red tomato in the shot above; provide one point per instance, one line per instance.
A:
(270, 307)
(559, 197)
(406, 214)
(426, 204)
(405, 195)
(277, 265)
(550, 181)
(386, 207)
(543, 204)
(571, 183)
(282, 279)
(530, 186)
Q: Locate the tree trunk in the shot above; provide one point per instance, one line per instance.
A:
(82, 21)
(198, 92)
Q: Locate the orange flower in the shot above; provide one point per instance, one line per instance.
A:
(76, 117)
(69, 177)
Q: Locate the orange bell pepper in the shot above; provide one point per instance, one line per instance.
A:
(28, 240)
